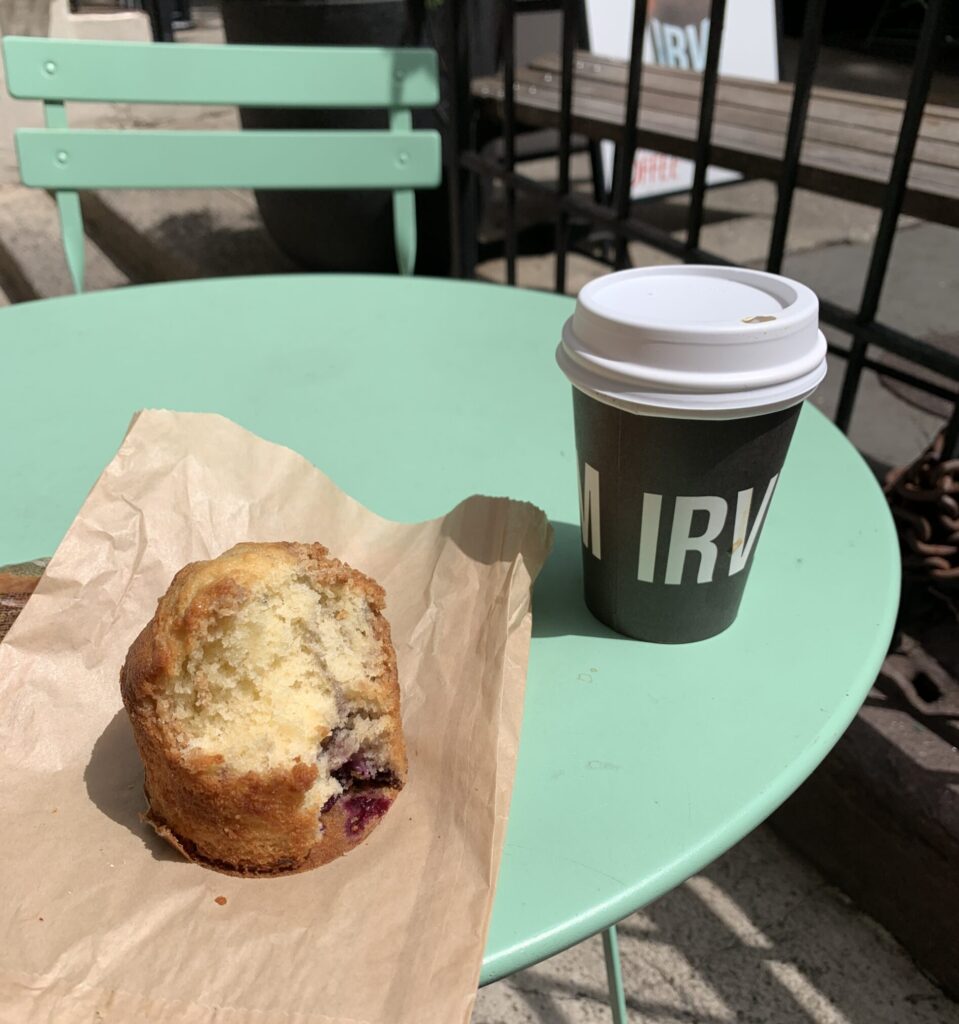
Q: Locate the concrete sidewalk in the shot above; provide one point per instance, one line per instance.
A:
(757, 938)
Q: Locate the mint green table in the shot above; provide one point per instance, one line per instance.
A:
(639, 764)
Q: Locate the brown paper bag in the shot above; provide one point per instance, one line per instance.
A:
(100, 920)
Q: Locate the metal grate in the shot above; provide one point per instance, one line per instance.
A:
(618, 216)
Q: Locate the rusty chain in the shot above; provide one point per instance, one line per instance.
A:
(924, 499)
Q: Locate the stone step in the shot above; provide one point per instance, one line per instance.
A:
(32, 262)
(176, 235)
(133, 237)
(880, 819)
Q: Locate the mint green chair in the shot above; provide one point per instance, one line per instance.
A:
(63, 160)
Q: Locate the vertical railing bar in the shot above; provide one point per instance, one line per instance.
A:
(950, 441)
(927, 51)
(595, 150)
(472, 202)
(707, 105)
(470, 128)
(622, 183)
(802, 89)
(570, 26)
(509, 133)
(455, 170)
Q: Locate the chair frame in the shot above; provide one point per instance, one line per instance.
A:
(64, 160)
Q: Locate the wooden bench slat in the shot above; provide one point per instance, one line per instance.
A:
(850, 174)
(939, 123)
(694, 79)
(848, 135)
(740, 142)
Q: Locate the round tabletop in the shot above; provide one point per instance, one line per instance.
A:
(638, 763)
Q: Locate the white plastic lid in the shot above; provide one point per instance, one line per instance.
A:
(699, 342)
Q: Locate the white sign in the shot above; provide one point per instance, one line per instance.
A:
(677, 33)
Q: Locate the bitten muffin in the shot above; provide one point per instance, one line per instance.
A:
(264, 700)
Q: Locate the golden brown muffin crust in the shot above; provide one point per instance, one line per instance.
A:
(255, 822)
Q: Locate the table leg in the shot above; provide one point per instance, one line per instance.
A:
(614, 977)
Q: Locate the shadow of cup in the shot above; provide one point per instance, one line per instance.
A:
(559, 608)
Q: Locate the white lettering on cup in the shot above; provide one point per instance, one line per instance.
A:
(743, 544)
(589, 510)
(681, 543)
(649, 537)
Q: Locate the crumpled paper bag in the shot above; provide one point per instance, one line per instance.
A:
(100, 920)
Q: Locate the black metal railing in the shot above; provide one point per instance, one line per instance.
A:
(617, 216)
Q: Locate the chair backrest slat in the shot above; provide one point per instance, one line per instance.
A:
(251, 76)
(84, 159)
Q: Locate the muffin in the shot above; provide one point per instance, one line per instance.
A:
(264, 699)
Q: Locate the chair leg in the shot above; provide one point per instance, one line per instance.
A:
(614, 977)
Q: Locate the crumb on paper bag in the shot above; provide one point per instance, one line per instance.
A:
(221, 900)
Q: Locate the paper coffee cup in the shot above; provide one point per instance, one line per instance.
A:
(687, 384)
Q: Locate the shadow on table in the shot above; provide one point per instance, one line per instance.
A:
(114, 781)
(558, 605)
